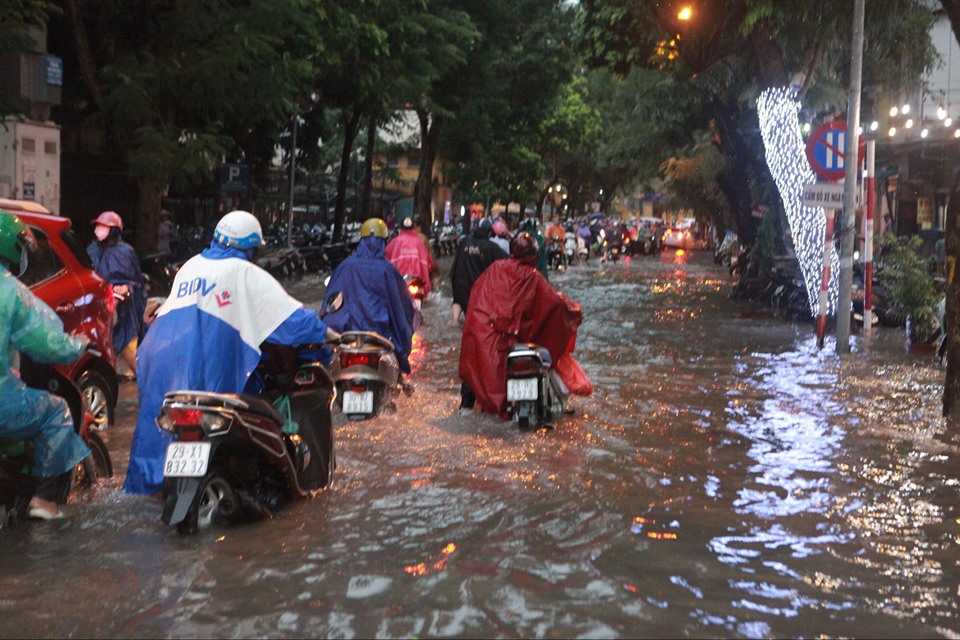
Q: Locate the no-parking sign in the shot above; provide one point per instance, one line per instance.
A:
(827, 150)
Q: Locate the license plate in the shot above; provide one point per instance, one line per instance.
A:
(522, 389)
(358, 401)
(186, 459)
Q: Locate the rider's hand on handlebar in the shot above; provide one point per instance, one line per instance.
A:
(332, 336)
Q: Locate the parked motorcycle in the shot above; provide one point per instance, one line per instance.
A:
(366, 374)
(535, 394)
(241, 457)
(158, 271)
(16, 456)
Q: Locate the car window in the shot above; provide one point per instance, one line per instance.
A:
(76, 248)
(43, 263)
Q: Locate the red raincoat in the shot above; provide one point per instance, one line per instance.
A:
(410, 256)
(511, 302)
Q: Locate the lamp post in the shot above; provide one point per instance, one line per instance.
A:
(293, 166)
(293, 170)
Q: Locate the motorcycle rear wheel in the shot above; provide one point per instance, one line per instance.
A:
(95, 466)
(215, 499)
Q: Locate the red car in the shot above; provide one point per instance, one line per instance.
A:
(60, 273)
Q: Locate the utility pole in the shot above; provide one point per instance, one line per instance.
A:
(851, 167)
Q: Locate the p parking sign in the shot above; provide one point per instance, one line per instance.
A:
(827, 150)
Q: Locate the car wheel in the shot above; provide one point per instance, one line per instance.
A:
(96, 398)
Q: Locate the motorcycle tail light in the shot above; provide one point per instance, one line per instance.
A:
(184, 417)
(414, 290)
(523, 365)
(348, 360)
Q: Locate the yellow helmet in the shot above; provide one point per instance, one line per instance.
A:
(374, 227)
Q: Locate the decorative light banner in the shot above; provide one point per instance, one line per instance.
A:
(778, 111)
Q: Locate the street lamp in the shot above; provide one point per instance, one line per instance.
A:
(293, 166)
(685, 13)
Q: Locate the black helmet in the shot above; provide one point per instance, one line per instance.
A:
(524, 247)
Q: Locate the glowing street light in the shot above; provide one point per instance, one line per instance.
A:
(685, 13)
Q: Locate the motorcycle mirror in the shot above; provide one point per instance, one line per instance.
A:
(335, 304)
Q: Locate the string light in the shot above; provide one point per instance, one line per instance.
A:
(778, 110)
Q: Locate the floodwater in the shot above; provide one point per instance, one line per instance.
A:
(725, 479)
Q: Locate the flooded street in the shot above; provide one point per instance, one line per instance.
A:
(725, 479)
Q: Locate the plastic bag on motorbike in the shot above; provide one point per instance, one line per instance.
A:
(573, 375)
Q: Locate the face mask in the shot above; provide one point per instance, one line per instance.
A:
(101, 232)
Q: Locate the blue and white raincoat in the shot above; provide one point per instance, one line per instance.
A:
(29, 326)
(207, 337)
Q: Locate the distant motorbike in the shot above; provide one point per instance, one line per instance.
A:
(417, 288)
(570, 247)
(535, 394)
(611, 250)
(158, 271)
(556, 258)
(240, 457)
(366, 374)
(16, 456)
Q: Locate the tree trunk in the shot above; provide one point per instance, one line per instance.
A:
(423, 190)
(951, 384)
(88, 67)
(149, 196)
(350, 127)
(367, 188)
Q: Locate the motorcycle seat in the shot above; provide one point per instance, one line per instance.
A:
(263, 408)
(543, 352)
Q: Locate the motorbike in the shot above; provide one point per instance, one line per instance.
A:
(535, 394)
(242, 457)
(158, 271)
(366, 374)
(611, 251)
(16, 456)
(570, 247)
(556, 259)
(417, 288)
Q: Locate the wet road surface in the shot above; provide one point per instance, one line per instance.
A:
(725, 479)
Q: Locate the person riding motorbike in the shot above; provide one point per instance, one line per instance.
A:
(207, 335)
(409, 253)
(474, 254)
(511, 302)
(500, 235)
(376, 297)
(29, 326)
(117, 263)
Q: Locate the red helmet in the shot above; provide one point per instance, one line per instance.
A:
(109, 219)
(524, 247)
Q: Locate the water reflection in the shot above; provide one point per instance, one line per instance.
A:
(725, 478)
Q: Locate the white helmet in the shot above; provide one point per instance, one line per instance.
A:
(240, 230)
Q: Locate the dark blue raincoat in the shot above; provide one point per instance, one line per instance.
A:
(117, 263)
(375, 298)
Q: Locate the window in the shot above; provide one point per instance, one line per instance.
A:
(28, 145)
(413, 159)
(42, 263)
(50, 147)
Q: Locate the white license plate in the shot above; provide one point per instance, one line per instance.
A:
(522, 389)
(186, 459)
(358, 401)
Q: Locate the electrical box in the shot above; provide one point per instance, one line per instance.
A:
(30, 162)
